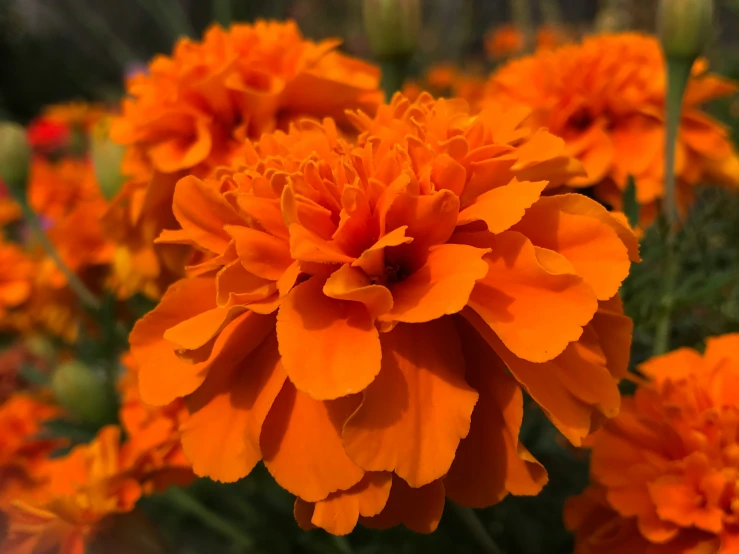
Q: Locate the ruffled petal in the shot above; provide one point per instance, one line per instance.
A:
(521, 297)
(330, 348)
(418, 408)
(502, 207)
(302, 448)
(221, 435)
(418, 509)
(490, 462)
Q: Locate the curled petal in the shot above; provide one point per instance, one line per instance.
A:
(350, 283)
(418, 509)
(502, 207)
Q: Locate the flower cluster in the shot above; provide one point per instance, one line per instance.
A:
(664, 473)
(364, 316)
(605, 98)
(192, 111)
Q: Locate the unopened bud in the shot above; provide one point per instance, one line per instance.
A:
(15, 156)
(685, 27)
(106, 159)
(392, 26)
(84, 392)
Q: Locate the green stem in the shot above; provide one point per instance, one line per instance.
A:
(222, 12)
(194, 507)
(168, 15)
(74, 282)
(476, 528)
(678, 73)
(394, 72)
(521, 16)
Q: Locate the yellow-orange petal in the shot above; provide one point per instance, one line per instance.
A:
(502, 207)
(490, 462)
(442, 286)
(196, 331)
(598, 246)
(350, 283)
(416, 411)
(260, 253)
(330, 348)
(521, 298)
(301, 445)
(339, 512)
(614, 330)
(419, 509)
(221, 435)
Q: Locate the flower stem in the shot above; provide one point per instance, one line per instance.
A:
(394, 71)
(222, 12)
(476, 528)
(74, 282)
(678, 73)
(188, 503)
(521, 16)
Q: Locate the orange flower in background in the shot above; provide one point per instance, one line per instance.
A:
(10, 211)
(504, 41)
(153, 431)
(447, 80)
(61, 125)
(605, 98)
(80, 491)
(55, 188)
(365, 316)
(549, 37)
(666, 469)
(192, 111)
(16, 277)
(22, 452)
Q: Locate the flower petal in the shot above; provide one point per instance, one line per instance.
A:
(502, 207)
(490, 462)
(416, 411)
(330, 348)
(202, 212)
(598, 246)
(419, 509)
(302, 448)
(260, 253)
(221, 436)
(350, 283)
(442, 286)
(520, 298)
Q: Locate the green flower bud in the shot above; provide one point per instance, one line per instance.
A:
(84, 392)
(15, 156)
(685, 27)
(106, 159)
(392, 26)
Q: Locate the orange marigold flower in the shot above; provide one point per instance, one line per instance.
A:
(55, 188)
(504, 41)
(81, 489)
(22, 453)
(356, 321)
(666, 469)
(192, 111)
(605, 98)
(447, 80)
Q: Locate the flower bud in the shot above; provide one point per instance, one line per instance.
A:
(392, 26)
(84, 393)
(685, 27)
(106, 159)
(15, 156)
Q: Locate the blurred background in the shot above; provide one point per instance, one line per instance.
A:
(57, 50)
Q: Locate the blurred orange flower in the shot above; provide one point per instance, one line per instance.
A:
(504, 41)
(356, 319)
(81, 489)
(193, 110)
(22, 452)
(447, 80)
(16, 277)
(665, 471)
(605, 97)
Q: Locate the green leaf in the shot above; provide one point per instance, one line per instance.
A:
(631, 206)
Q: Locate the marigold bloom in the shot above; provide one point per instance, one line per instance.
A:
(10, 211)
(504, 41)
(605, 98)
(16, 277)
(665, 471)
(81, 489)
(353, 322)
(22, 453)
(447, 80)
(192, 111)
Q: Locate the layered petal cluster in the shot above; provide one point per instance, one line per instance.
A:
(664, 473)
(153, 431)
(366, 314)
(22, 451)
(605, 98)
(191, 112)
(16, 278)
